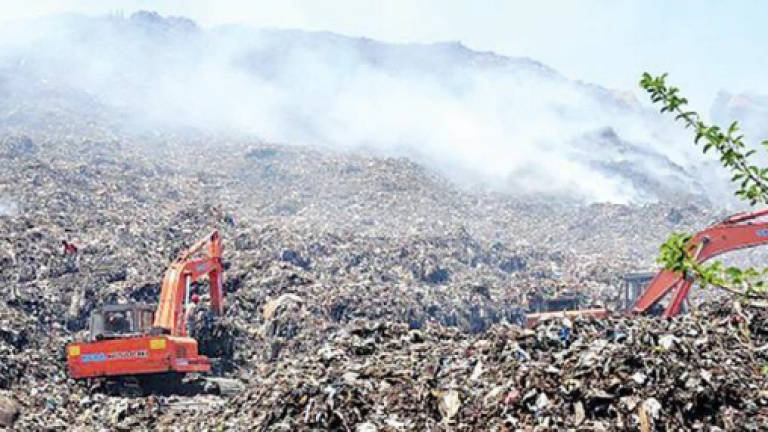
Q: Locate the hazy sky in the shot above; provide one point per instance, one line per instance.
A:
(705, 45)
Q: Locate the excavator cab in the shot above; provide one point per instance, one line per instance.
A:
(565, 304)
(631, 287)
(119, 321)
(562, 302)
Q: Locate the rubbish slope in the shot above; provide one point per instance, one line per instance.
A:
(363, 293)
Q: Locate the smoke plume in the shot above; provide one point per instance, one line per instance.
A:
(512, 124)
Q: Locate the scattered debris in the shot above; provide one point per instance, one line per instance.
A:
(9, 411)
(373, 298)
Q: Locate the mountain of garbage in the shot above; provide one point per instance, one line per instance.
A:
(365, 292)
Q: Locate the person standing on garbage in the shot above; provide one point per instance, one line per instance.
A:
(224, 217)
(565, 332)
(189, 313)
(70, 252)
(229, 220)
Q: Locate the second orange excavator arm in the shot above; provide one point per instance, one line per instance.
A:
(182, 272)
(740, 231)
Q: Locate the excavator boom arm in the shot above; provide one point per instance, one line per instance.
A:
(737, 232)
(185, 270)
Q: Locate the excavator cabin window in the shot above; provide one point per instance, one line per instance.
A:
(116, 321)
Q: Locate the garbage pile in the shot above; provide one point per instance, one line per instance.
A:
(693, 372)
(362, 293)
(697, 372)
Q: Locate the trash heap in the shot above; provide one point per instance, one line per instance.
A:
(700, 371)
(14, 338)
(362, 294)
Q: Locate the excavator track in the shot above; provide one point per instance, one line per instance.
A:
(221, 386)
(128, 386)
(167, 384)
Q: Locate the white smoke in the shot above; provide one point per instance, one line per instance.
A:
(512, 124)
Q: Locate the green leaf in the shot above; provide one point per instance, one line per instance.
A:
(733, 272)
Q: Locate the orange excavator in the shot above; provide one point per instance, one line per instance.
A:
(136, 340)
(740, 231)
